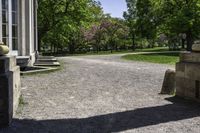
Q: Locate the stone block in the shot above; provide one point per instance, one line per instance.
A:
(15, 73)
(6, 63)
(189, 86)
(169, 82)
(180, 69)
(190, 57)
(6, 107)
(192, 71)
(196, 47)
(188, 76)
(9, 89)
(180, 87)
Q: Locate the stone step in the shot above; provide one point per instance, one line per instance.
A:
(45, 57)
(38, 63)
(47, 60)
(36, 69)
(23, 61)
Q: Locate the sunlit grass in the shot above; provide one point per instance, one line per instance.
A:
(162, 58)
(156, 49)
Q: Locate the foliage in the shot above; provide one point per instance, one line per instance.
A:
(60, 22)
(178, 20)
(80, 26)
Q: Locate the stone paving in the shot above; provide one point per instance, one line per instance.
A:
(102, 94)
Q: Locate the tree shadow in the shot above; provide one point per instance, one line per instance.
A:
(178, 110)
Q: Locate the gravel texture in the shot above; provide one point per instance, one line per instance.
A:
(103, 94)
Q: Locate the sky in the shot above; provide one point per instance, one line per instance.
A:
(114, 7)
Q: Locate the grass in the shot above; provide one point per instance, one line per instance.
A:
(22, 103)
(156, 49)
(161, 58)
(100, 53)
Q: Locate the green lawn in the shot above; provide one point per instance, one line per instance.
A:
(162, 58)
(156, 49)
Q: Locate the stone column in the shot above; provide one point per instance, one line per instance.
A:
(9, 89)
(188, 74)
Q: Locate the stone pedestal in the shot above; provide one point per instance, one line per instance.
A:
(9, 89)
(188, 76)
(169, 83)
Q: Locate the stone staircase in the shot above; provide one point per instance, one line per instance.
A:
(46, 61)
(23, 61)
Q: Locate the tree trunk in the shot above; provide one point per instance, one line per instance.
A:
(39, 43)
(189, 40)
(71, 48)
(51, 48)
(133, 42)
(183, 43)
(54, 48)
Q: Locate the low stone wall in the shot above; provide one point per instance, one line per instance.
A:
(9, 89)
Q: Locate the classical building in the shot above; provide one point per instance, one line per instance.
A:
(18, 28)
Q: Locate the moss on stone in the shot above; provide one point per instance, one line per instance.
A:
(3, 49)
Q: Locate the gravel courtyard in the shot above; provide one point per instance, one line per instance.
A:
(102, 94)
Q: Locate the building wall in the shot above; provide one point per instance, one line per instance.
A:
(26, 28)
(22, 28)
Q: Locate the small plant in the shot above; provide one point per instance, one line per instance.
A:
(22, 103)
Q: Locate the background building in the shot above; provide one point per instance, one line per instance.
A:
(18, 28)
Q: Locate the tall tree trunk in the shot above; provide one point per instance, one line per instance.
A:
(133, 42)
(51, 48)
(71, 48)
(111, 43)
(39, 43)
(183, 43)
(189, 40)
(54, 48)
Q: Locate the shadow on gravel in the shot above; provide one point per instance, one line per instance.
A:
(121, 121)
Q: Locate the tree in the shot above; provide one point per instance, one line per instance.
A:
(130, 17)
(179, 20)
(107, 34)
(64, 19)
(174, 18)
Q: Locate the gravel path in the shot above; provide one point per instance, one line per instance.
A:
(102, 94)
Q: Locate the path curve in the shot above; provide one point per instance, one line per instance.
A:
(102, 94)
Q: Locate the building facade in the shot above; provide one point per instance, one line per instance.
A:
(18, 28)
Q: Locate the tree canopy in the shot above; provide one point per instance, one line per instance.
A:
(176, 19)
(81, 25)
